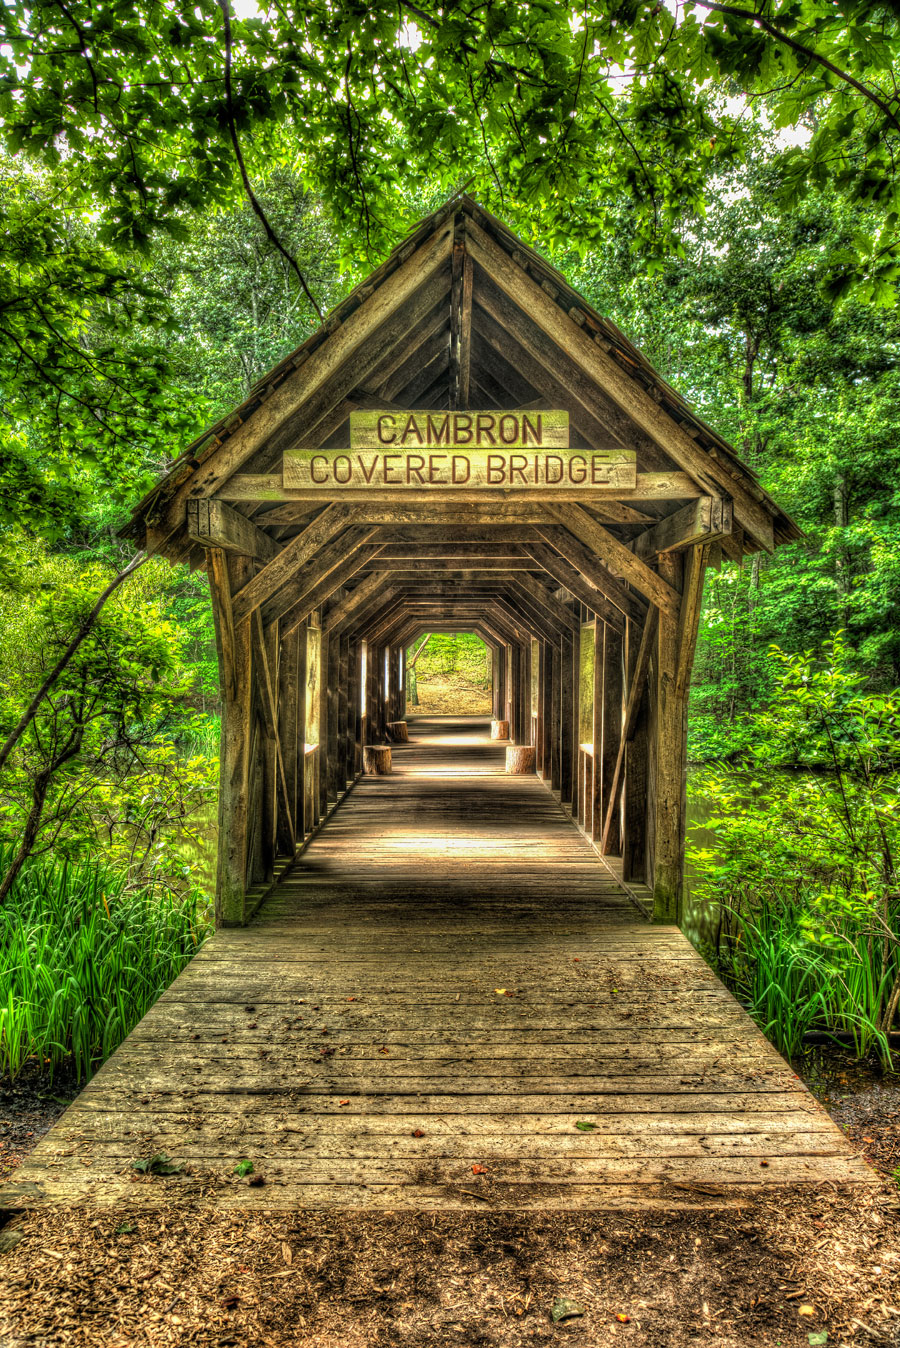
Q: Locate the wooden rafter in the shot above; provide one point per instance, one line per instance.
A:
(332, 520)
(584, 541)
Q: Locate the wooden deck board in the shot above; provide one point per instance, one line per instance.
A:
(474, 975)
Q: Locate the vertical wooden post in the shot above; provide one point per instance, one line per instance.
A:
(269, 749)
(332, 691)
(555, 727)
(612, 711)
(496, 685)
(302, 826)
(669, 762)
(595, 809)
(636, 788)
(567, 713)
(233, 644)
(545, 694)
(343, 727)
(288, 725)
(313, 722)
(352, 706)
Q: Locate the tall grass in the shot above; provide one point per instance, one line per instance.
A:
(793, 985)
(82, 959)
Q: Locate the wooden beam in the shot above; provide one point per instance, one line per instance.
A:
(572, 580)
(706, 520)
(217, 571)
(234, 753)
(541, 595)
(615, 556)
(465, 335)
(216, 524)
(269, 709)
(321, 564)
(594, 570)
(630, 396)
(632, 706)
(324, 588)
(657, 486)
(339, 613)
(452, 565)
(331, 521)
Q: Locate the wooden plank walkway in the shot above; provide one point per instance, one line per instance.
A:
(450, 979)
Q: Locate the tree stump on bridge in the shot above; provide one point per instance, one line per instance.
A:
(398, 731)
(499, 730)
(377, 760)
(520, 758)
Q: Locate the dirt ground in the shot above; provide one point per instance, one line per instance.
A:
(779, 1270)
(450, 697)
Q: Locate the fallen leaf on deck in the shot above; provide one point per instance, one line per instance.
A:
(564, 1309)
(584, 1127)
(623, 1319)
(343, 1102)
(819, 1337)
(243, 1168)
(160, 1164)
(479, 1169)
(125, 1228)
(417, 1132)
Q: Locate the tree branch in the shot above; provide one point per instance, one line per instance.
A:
(732, 11)
(65, 659)
(245, 177)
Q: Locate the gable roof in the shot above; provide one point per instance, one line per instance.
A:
(399, 330)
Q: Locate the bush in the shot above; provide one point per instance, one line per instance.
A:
(82, 958)
(803, 862)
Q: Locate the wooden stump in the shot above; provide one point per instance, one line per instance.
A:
(398, 731)
(377, 760)
(499, 730)
(520, 758)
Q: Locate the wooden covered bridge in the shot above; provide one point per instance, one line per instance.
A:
(568, 521)
(447, 992)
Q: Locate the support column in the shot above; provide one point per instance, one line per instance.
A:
(612, 710)
(669, 762)
(233, 645)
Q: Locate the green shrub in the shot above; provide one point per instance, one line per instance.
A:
(802, 866)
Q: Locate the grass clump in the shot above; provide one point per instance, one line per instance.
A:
(82, 958)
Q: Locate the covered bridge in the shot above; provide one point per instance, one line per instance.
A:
(369, 490)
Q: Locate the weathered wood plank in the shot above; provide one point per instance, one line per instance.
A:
(706, 520)
(216, 524)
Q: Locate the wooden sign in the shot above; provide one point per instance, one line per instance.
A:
(459, 430)
(458, 452)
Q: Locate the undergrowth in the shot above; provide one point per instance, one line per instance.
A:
(82, 958)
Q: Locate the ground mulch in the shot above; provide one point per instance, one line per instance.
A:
(777, 1269)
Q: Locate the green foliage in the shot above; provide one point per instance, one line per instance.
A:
(462, 655)
(82, 958)
(130, 102)
(103, 763)
(802, 868)
(88, 403)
